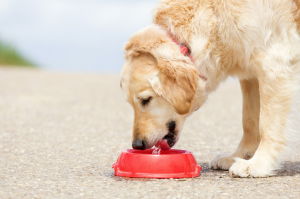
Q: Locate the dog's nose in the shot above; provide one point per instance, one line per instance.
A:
(138, 144)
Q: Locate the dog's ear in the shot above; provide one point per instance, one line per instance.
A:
(177, 78)
(177, 83)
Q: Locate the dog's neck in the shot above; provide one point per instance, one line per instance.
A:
(200, 97)
(203, 40)
(184, 49)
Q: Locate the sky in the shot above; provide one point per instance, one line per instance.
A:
(73, 35)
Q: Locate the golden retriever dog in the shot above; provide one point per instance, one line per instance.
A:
(193, 45)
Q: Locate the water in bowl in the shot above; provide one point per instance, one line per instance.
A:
(157, 149)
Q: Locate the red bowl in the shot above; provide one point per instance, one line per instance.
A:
(169, 164)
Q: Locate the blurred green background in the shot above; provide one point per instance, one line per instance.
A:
(70, 35)
(10, 56)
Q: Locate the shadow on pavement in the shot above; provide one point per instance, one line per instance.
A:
(287, 169)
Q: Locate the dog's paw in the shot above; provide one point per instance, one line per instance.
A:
(250, 168)
(222, 161)
(213, 164)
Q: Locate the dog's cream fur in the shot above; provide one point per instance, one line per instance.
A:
(257, 41)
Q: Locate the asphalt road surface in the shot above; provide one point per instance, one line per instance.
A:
(60, 134)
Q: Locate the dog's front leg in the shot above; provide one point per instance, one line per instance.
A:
(251, 138)
(276, 94)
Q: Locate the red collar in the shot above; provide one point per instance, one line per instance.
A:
(187, 52)
(184, 50)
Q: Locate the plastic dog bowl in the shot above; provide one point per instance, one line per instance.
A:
(169, 164)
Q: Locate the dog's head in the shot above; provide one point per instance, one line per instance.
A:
(162, 86)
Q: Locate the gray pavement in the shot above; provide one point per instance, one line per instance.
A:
(60, 134)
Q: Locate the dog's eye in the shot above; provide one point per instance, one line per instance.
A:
(146, 101)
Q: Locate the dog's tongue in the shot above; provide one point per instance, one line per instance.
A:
(163, 145)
